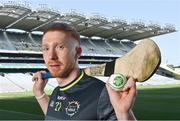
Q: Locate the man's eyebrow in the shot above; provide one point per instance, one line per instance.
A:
(60, 43)
(57, 43)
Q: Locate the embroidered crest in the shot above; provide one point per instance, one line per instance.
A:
(72, 108)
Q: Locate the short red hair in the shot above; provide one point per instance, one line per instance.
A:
(65, 28)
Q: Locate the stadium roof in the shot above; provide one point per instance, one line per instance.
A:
(20, 16)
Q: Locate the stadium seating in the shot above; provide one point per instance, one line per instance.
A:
(118, 47)
(37, 42)
(4, 45)
(103, 48)
(91, 47)
(20, 41)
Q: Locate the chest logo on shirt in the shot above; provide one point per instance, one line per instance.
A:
(72, 108)
(61, 97)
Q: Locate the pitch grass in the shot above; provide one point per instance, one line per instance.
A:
(152, 103)
(158, 103)
(19, 106)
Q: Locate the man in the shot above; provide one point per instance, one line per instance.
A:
(78, 96)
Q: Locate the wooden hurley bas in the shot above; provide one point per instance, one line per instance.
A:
(140, 63)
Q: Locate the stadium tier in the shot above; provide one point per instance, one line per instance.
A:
(19, 16)
(29, 42)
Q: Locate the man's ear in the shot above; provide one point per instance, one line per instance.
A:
(78, 52)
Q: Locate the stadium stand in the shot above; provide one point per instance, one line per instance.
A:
(118, 47)
(103, 48)
(96, 47)
(4, 43)
(37, 42)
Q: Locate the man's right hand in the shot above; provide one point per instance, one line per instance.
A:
(38, 90)
(39, 83)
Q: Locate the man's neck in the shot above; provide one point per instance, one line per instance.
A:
(73, 75)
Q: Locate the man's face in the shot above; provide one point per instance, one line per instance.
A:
(60, 53)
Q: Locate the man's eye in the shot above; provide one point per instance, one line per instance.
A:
(45, 49)
(60, 47)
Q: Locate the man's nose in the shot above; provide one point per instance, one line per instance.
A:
(53, 54)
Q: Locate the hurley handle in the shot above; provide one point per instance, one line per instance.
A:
(46, 75)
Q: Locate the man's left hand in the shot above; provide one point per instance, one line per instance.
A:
(122, 101)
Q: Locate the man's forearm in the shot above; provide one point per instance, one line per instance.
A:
(43, 102)
(125, 116)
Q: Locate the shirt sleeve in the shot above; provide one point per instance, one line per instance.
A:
(105, 110)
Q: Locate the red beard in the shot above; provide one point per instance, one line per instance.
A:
(55, 68)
